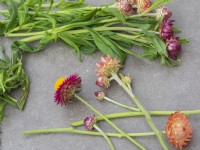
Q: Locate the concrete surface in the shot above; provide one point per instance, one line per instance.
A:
(158, 88)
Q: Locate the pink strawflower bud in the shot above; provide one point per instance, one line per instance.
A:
(99, 95)
(164, 13)
(108, 65)
(67, 89)
(173, 48)
(125, 7)
(166, 31)
(89, 122)
(142, 5)
(103, 81)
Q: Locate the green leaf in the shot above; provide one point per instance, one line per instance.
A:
(176, 29)
(13, 14)
(183, 41)
(106, 46)
(66, 39)
(2, 28)
(115, 12)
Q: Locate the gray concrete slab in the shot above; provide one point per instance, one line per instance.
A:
(158, 88)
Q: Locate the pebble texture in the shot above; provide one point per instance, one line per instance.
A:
(157, 87)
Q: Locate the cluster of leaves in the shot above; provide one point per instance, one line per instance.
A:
(12, 76)
(84, 28)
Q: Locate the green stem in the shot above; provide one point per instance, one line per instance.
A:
(72, 130)
(110, 122)
(143, 110)
(105, 136)
(122, 105)
(136, 114)
(62, 29)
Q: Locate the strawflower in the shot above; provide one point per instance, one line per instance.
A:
(103, 81)
(173, 48)
(89, 122)
(166, 31)
(99, 95)
(125, 7)
(143, 5)
(163, 13)
(107, 65)
(178, 130)
(66, 89)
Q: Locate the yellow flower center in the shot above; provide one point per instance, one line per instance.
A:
(59, 82)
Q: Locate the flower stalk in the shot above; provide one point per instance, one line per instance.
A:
(110, 122)
(136, 114)
(83, 132)
(120, 104)
(143, 110)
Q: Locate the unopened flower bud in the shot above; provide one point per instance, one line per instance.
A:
(143, 5)
(164, 13)
(89, 122)
(99, 95)
(103, 81)
(166, 31)
(173, 48)
(125, 7)
(126, 79)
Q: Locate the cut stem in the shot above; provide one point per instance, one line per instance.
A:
(110, 122)
(83, 132)
(136, 114)
(105, 136)
(121, 105)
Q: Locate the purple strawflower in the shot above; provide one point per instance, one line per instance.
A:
(89, 122)
(67, 89)
(173, 48)
(166, 30)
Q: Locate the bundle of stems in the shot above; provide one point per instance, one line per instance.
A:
(85, 28)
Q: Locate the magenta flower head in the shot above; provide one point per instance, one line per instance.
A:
(67, 88)
(108, 65)
(125, 7)
(164, 13)
(173, 48)
(166, 31)
(103, 81)
(89, 122)
(99, 95)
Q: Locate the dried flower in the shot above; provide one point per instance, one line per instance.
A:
(166, 31)
(125, 7)
(99, 95)
(89, 122)
(143, 5)
(67, 89)
(178, 130)
(173, 48)
(107, 65)
(103, 81)
(163, 12)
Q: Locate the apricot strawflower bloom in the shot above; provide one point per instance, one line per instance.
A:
(178, 130)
